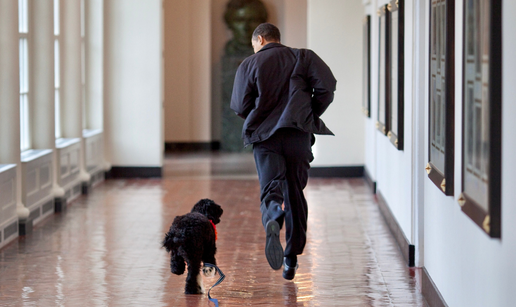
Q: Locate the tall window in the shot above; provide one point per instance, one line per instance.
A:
(23, 25)
(441, 138)
(57, 72)
(83, 65)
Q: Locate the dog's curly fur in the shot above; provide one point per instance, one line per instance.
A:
(190, 240)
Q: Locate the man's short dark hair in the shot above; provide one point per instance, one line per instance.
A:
(268, 31)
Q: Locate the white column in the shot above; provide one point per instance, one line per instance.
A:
(10, 95)
(94, 63)
(71, 68)
(43, 132)
(43, 107)
(133, 82)
(95, 69)
(71, 107)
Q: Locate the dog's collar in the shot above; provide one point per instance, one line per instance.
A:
(214, 228)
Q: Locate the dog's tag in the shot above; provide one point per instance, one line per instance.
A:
(221, 278)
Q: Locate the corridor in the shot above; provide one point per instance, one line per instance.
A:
(105, 249)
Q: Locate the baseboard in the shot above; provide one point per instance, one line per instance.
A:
(191, 147)
(369, 180)
(407, 249)
(432, 295)
(336, 172)
(134, 172)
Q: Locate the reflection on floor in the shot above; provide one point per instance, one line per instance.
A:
(105, 250)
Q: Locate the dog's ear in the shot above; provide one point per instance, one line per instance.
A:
(209, 208)
(168, 241)
(214, 212)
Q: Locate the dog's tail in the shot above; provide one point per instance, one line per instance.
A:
(171, 239)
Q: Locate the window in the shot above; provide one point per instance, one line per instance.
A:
(441, 130)
(83, 65)
(481, 126)
(57, 72)
(23, 29)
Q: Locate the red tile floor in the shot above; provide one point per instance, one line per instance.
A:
(105, 250)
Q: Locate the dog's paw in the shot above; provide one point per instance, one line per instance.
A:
(208, 271)
(195, 288)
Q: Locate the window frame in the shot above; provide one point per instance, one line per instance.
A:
(443, 178)
(84, 104)
(366, 66)
(25, 52)
(396, 74)
(58, 130)
(383, 72)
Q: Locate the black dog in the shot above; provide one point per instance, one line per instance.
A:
(191, 239)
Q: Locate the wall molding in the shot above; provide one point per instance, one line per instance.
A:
(336, 172)
(407, 249)
(369, 181)
(430, 292)
(191, 146)
(134, 172)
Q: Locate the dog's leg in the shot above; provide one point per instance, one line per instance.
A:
(192, 284)
(209, 257)
(200, 283)
(177, 264)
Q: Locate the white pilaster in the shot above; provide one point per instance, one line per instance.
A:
(71, 77)
(43, 107)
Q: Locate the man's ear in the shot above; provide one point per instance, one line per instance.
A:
(261, 40)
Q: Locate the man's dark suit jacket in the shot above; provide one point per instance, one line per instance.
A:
(282, 87)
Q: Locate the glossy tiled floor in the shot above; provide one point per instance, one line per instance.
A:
(105, 250)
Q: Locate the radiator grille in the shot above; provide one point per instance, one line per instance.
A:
(48, 206)
(77, 189)
(35, 214)
(11, 229)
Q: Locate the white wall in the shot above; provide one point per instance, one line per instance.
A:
(294, 32)
(369, 122)
(187, 40)
(335, 34)
(508, 267)
(468, 267)
(394, 167)
(133, 85)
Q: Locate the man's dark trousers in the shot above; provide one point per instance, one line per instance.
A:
(282, 162)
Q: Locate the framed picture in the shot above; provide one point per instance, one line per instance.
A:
(482, 114)
(382, 123)
(440, 167)
(396, 71)
(366, 66)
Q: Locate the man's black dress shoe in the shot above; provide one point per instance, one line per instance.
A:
(273, 248)
(289, 272)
